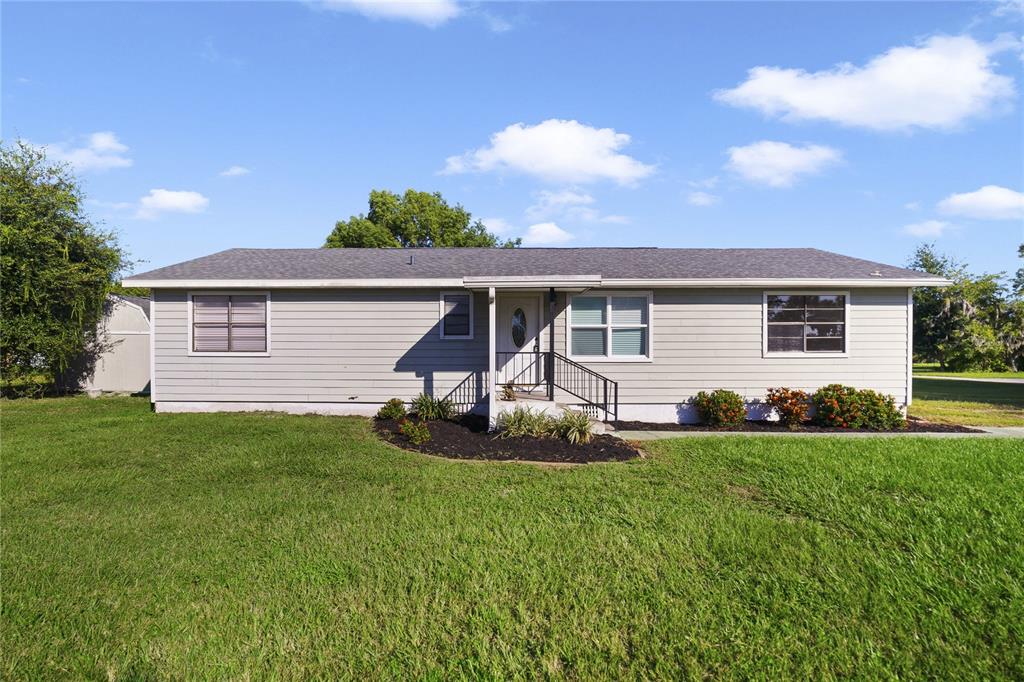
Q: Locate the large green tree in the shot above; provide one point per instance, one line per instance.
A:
(968, 325)
(413, 219)
(56, 265)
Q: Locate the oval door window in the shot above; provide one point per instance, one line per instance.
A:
(519, 327)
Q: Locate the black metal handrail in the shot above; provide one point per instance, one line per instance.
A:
(586, 384)
(520, 369)
(530, 369)
(469, 393)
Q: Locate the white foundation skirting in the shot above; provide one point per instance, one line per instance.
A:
(361, 409)
(655, 413)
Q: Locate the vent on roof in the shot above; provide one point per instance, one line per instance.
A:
(876, 273)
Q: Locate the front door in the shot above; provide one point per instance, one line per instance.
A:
(518, 342)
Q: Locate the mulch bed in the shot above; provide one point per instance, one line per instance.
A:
(913, 426)
(467, 438)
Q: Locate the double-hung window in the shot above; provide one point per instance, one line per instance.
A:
(613, 326)
(805, 323)
(235, 323)
(456, 315)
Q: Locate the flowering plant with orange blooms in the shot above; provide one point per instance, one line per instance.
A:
(846, 407)
(720, 408)
(791, 404)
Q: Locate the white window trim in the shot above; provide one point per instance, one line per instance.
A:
(227, 354)
(583, 359)
(440, 314)
(805, 354)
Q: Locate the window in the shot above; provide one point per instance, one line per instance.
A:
(235, 323)
(456, 315)
(805, 323)
(610, 326)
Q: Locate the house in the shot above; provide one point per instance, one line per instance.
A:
(626, 333)
(120, 361)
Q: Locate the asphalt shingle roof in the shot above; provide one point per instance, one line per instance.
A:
(608, 263)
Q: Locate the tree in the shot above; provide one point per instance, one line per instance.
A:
(962, 326)
(57, 268)
(414, 219)
(1018, 280)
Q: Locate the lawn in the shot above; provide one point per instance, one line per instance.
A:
(138, 545)
(975, 403)
(932, 369)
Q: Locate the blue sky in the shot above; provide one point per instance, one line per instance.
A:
(864, 128)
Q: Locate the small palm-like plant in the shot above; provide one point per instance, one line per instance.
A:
(575, 427)
(429, 408)
(522, 421)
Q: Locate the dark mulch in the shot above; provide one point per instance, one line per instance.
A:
(913, 426)
(467, 438)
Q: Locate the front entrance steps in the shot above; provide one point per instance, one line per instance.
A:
(537, 401)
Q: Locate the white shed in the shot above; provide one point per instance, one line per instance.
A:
(123, 363)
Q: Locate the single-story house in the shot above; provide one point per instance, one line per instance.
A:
(120, 362)
(622, 333)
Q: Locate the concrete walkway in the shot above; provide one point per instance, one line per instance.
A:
(987, 432)
(992, 380)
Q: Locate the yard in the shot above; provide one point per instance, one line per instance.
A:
(977, 403)
(138, 545)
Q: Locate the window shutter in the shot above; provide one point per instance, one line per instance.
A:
(210, 323)
(588, 341)
(248, 324)
(588, 310)
(456, 315)
(627, 310)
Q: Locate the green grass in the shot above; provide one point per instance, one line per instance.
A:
(932, 369)
(974, 403)
(138, 545)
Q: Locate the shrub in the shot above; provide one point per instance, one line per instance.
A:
(720, 408)
(791, 404)
(574, 427)
(416, 432)
(429, 408)
(880, 412)
(846, 407)
(393, 409)
(522, 421)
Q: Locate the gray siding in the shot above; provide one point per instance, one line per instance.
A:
(707, 339)
(354, 346)
(340, 346)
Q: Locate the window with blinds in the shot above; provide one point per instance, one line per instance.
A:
(806, 323)
(609, 326)
(229, 324)
(456, 315)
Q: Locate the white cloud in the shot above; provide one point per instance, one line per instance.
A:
(927, 228)
(937, 84)
(497, 225)
(431, 13)
(545, 233)
(912, 205)
(991, 202)
(778, 164)
(615, 219)
(1009, 8)
(555, 150)
(706, 183)
(702, 199)
(235, 171)
(160, 201)
(567, 203)
(100, 151)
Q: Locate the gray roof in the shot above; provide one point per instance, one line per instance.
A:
(608, 263)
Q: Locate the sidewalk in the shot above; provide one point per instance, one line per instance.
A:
(991, 380)
(988, 432)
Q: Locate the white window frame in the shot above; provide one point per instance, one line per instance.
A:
(227, 354)
(803, 353)
(608, 326)
(440, 314)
